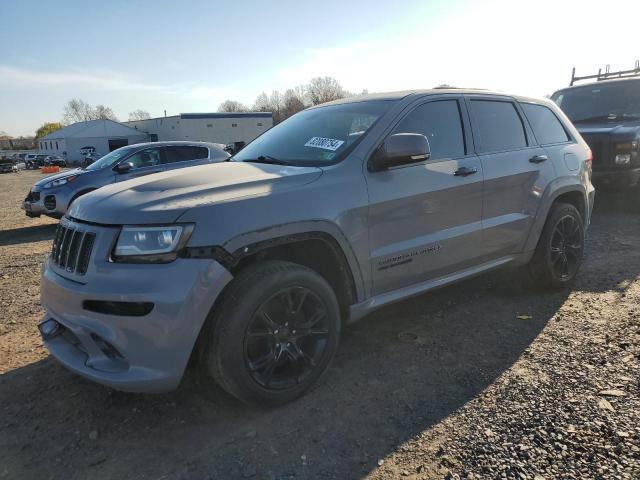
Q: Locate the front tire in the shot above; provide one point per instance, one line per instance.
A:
(274, 333)
(558, 255)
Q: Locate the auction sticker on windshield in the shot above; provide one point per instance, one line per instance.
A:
(325, 143)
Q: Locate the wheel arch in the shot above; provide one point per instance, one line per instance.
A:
(572, 193)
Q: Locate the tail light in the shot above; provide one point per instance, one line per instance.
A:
(589, 161)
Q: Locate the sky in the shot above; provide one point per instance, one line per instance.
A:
(189, 56)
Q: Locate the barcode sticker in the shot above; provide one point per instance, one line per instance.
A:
(325, 143)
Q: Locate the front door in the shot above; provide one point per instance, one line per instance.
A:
(516, 173)
(425, 218)
(145, 162)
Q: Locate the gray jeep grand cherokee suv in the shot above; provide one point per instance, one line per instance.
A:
(253, 266)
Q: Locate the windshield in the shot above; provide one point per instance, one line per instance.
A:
(318, 136)
(602, 101)
(111, 159)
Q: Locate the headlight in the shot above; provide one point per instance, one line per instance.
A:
(623, 159)
(151, 244)
(59, 182)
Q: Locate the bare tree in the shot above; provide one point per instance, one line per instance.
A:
(272, 103)
(232, 106)
(139, 115)
(77, 110)
(324, 89)
(104, 113)
(293, 102)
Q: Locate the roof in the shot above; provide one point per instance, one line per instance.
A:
(432, 91)
(204, 115)
(172, 143)
(93, 128)
(607, 81)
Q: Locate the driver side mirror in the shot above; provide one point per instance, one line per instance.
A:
(123, 167)
(400, 149)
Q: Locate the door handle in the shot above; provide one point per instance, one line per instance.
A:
(465, 171)
(538, 159)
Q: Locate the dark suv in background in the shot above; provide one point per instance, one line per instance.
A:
(607, 115)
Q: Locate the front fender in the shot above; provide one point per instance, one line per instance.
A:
(251, 242)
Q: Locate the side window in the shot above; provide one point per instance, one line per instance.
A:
(145, 158)
(186, 153)
(546, 126)
(441, 123)
(499, 126)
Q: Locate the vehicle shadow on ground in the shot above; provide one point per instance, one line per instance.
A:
(36, 233)
(397, 373)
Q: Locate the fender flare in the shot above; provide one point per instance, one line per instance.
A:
(231, 252)
(554, 190)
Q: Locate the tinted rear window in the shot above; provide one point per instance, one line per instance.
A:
(546, 126)
(440, 122)
(499, 126)
(186, 153)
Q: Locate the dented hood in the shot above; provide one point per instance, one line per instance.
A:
(163, 197)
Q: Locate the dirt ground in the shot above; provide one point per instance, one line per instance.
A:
(479, 380)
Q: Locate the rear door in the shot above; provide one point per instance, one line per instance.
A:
(516, 172)
(425, 218)
(552, 136)
(180, 156)
(145, 162)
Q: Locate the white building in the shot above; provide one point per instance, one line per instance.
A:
(206, 127)
(103, 136)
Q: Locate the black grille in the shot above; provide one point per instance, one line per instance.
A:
(600, 147)
(72, 249)
(33, 197)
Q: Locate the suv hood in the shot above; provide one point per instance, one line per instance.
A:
(163, 197)
(67, 173)
(628, 129)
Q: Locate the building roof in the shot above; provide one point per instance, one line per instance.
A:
(191, 116)
(93, 128)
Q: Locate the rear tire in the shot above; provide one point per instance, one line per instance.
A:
(558, 255)
(274, 333)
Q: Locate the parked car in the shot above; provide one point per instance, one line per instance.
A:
(29, 160)
(52, 195)
(607, 115)
(7, 166)
(256, 264)
(55, 161)
(35, 160)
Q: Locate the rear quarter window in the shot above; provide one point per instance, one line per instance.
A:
(499, 126)
(185, 153)
(545, 125)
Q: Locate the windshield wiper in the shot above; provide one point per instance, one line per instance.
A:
(267, 159)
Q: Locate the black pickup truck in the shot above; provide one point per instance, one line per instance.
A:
(607, 115)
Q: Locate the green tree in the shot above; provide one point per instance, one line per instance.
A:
(47, 128)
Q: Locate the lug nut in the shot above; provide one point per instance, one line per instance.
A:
(276, 332)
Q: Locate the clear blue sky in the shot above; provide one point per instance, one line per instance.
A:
(189, 56)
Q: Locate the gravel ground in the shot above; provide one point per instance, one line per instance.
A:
(479, 380)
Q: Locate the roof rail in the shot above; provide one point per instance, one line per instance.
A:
(607, 75)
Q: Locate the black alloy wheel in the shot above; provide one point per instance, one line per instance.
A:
(286, 338)
(566, 247)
